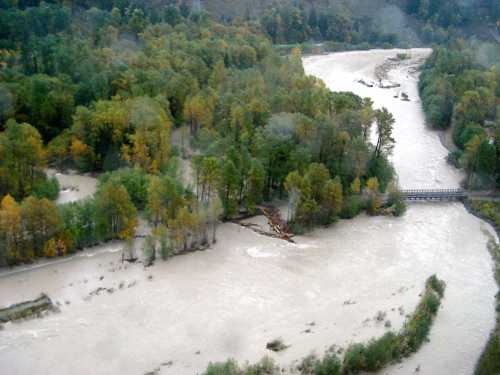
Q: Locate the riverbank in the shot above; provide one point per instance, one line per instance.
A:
(489, 362)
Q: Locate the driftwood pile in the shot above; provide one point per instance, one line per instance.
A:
(279, 227)
(276, 223)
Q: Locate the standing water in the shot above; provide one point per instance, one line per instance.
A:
(248, 289)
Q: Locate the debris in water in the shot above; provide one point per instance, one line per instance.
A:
(276, 345)
(380, 316)
(131, 284)
(27, 309)
(363, 82)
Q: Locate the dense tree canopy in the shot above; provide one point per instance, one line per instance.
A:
(457, 92)
(112, 87)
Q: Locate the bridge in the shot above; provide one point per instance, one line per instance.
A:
(433, 194)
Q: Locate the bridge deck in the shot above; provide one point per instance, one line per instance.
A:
(445, 194)
(433, 194)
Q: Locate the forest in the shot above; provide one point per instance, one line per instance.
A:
(460, 94)
(103, 90)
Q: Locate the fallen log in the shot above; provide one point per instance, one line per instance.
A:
(363, 82)
(258, 230)
(27, 309)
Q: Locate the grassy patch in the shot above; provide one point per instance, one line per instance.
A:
(265, 366)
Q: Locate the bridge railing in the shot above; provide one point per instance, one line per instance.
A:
(432, 191)
(432, 194)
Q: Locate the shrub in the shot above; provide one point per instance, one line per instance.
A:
(329, 365)
(437, 285)
(47, 188)
(352, 206)
(396, 202)
(489, 363)
(373, 204)
(399, 208)
(454, 157)
(230, 367)
(431, 303)
(380, 352)
(308, 364)
(354, 359)
(417, 328)
(265, 366)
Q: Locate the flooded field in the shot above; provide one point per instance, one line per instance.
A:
(230, 300)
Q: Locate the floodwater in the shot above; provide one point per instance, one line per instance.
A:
(73, 187)
(228, 301)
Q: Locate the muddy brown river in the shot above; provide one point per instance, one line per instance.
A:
(248, 289)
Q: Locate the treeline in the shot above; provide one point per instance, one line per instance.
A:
(290, 23)
(22, 161)
(453, 12)
(459, 93)
(371, 357)
(444, 20)
(39, 228)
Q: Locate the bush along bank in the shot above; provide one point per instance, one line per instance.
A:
(489, 362)
(370, 357)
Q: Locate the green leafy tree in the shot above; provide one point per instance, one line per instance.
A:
(116, 212)
(385, 141)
